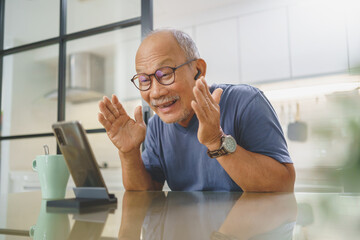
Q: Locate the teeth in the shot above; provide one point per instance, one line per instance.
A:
(164, 101)
(166, 105)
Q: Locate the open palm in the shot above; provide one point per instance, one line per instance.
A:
(125, 133)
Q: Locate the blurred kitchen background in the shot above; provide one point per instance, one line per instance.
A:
(304, 54)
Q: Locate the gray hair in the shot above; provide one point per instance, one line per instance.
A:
(184, 40)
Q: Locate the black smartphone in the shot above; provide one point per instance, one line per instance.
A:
(80, 159)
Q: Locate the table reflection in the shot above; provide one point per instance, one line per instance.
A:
(189, 215)
(49, 225)
(207, 215)
(166, 215)
(55, 225)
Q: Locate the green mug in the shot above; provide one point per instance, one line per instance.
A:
(53, 175)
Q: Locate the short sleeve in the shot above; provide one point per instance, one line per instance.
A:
(149, 156)
(261, 130)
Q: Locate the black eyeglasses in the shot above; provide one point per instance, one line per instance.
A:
(164, 75)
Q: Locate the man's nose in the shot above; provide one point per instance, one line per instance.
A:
(157, 90)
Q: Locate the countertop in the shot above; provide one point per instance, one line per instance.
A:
(188, 215)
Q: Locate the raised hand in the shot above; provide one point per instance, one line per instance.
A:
(207, 110)
(125, 133)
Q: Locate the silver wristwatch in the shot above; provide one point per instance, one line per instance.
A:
(228, 145)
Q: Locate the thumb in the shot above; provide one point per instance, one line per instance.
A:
(138, 114)
(216, 95)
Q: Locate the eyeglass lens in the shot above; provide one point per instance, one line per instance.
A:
(163, 75)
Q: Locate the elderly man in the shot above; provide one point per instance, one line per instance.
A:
(222, 138)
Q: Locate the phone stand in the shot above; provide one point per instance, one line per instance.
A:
(88, 199)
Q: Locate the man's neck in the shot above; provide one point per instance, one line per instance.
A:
(185, 123)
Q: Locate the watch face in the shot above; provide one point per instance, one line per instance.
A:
(229, 144)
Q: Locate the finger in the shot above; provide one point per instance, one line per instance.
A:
(199, 111)
(118, 105)
(106, 112)
(139, 115)
(206, 93)
(111, 107)
(216, 95)
(201, 86)
(104, 122)
(205, 89)
(200, 98)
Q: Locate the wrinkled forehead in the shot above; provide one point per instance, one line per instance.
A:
(156, 50)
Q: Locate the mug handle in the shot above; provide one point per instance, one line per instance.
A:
(32, 231)
(34, 165)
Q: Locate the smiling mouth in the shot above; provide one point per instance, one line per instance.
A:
(168, 104)
(165, 102)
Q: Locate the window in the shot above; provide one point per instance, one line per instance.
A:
(46, 47)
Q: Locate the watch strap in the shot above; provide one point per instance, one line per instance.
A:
(217, 153)
(227, 146)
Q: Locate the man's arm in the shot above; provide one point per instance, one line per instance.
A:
(255, 172)
(260, 213)
(134, 208)
(251, 171)
(127, 135)
(135, 176)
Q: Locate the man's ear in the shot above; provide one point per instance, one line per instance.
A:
(201, 68)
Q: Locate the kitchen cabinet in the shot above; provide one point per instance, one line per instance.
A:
(265, 41)
(318, 41)
(264, 46)
(218, 45)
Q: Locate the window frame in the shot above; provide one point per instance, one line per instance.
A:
(145, 20)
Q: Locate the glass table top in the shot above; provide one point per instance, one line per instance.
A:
(188, 215)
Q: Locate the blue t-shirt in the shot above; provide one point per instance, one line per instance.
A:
(173, 153)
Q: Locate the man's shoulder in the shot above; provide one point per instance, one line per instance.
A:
(236, 88)
(241, 92)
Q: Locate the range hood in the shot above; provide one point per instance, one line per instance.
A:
(85, 81)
